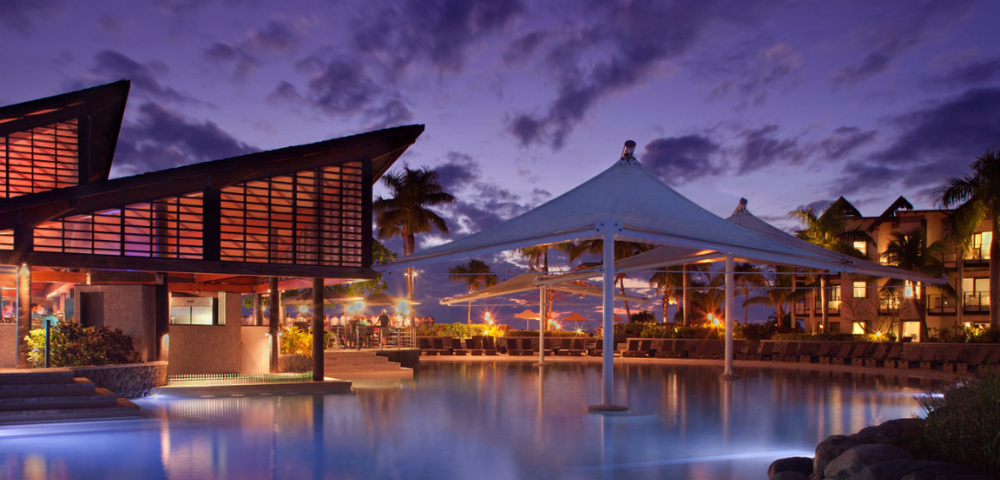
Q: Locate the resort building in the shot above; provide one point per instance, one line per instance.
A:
(863, 304)
(167, 256)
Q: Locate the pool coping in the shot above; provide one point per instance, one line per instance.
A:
(886, 372)
(329, 385)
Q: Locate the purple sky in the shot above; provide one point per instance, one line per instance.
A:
(786, 103)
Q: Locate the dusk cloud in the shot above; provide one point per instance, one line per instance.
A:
(679, 159)
(972, 74)
(897, 32)
(761, 149)
(278, 35)
(438, 31)
(845, 141)
(112, 65)
(20, 15)
(609, 56)
(161, 139)
(769, 69)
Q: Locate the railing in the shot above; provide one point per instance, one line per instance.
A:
(833, 306)
(949, 258)
(977, 256)
(888, 306)
(976, 302)
(941, 304)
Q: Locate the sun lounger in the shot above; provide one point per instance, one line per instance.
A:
(833, 352)
(861, 352)
(474, 345)
(909, 358)
(766, 351)
(749, 349)
(631, 348)
(790, 353)
(577, 347)
(710, 349)
(877, 357)
(843, 356)
(810, 352)
(457, 348)
(489, 346)
(959, 362)
(513, 345)
(666, 348)
(595, 347)
(991, 363)
(439, 345)
(426, 346)
(933, 357)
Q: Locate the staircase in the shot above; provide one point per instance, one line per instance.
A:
(340, 362)
(54, 394)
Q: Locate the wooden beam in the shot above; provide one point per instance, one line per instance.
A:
(212, 287)
(49, 276)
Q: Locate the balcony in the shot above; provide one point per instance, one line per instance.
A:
(977, 257)
(942, 305)
(976, 302)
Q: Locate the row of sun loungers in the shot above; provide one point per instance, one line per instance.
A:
(952, 358)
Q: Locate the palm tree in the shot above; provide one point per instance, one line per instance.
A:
(830, 231)
(959, 232)
(405, 214)
(978, 199)
(708, 296)
(748, 279)
(622, 250)
(476, 274)
(779, 294)
(908, 251)
(667, 282)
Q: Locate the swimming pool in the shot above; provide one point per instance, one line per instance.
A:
(478, 420)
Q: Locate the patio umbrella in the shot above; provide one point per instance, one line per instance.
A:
(575, 317)
(527, 315)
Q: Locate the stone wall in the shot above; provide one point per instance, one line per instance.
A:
(204, 349)
(126, 307)
(8, 345)
(409, 358)
(128, 381)
(294, 363)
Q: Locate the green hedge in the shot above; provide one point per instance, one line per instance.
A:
(73, 345)
(963, 424)
(462, 330)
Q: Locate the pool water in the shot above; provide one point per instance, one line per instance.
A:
(502, 420)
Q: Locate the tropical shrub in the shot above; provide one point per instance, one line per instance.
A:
(463, 330)
(644, 316)
(295, 340)
(963, 424)
(73, 345)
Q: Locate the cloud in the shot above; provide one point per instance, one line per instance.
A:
(935, 143)
(760, 149)
(278, 35)
(608, 56)
(524, 46)
(770, 68)
(459, 172)
(112, 65)
(20, 15)
(680, 159)
(845, 141)
(899, 31)
(438, 31)
(972, 74)
(343, 86)
(161, 139)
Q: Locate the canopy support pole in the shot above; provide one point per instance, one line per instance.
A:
(542, 297)
(730, 313)
(607, 365)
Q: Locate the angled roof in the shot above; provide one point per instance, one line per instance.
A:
(525, 282)
(103, 105)
(629, 201)
(383, 147)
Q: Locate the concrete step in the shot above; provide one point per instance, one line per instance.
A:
(36, 376)
(96, 399)
(78, 386)
(334, 369)
(121, 409)
(357, 361)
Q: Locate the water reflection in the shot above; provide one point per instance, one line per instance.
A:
(478, 420)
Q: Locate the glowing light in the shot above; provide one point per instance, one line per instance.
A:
(968, 324)
(488, 318)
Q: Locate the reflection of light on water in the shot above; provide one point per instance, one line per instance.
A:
(34, 468)
(696, 460)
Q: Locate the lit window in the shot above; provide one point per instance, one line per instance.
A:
(861, 247)
(194, 311)
(979, 247)
(860, 290)
(859, 328)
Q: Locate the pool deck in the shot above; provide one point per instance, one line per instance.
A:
(888, 373)
(210, 390)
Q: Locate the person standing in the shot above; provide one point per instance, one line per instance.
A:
(383, 328)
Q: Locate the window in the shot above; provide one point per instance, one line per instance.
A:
(860, 289)
(979, 248)
(859, 328)
(862, 247)
(833, 299)
(976, 291)
(195, 311)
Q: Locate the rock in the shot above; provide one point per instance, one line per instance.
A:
(901, 467)
(934, 475)
(858, 458)
(829, 449)
(803, 465)
(903, 432)
(789, 475)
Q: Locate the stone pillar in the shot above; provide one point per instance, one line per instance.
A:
(161, 317)
(23, 314)
(274, 306)
(317, 330)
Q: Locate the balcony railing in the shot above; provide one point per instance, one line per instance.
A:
(888, 306)
(977, 302)
(941, 304)
(977, 256)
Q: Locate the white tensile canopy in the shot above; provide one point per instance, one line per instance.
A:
(625, 202)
